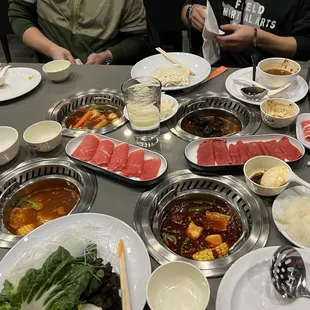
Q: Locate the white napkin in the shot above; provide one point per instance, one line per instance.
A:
(210, 48)
(78, 61)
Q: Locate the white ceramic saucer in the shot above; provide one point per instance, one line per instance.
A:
(295, 92)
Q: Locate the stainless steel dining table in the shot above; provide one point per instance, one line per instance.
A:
(114, 197)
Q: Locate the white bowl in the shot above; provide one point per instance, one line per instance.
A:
(43, 136)
(279, 122)
(275, 81)
(9, 144)
(178, 285)
(260, 164)
(57, 70)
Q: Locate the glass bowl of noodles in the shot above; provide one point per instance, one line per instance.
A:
(278, 112)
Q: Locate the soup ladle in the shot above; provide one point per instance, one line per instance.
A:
(237, 243)
(255, 91)
(288, 273)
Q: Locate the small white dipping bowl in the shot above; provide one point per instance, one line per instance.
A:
(278, 122)
(9, 144)
(273, 80)
(43, 136)
(178, 286)
(57, 70)
(261, 164)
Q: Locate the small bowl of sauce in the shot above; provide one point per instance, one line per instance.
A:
(257, 177)
(277, 72)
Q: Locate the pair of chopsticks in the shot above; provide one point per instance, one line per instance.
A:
(126, 305)
(172, 59)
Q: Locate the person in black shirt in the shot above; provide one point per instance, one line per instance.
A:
(273, 28)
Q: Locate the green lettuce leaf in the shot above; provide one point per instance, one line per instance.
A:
(57, 285)
(6, 296)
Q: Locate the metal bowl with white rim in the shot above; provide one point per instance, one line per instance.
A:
(203, 115)
(249, 207)
(39, 173)
(104, 98)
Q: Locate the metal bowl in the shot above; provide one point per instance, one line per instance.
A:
(33, 174)
(247, 117)
(65, 107)
(41, 183)
(202, 194)
(250, 208)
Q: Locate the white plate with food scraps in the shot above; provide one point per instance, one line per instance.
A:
(74, 233)
(198, 65)
(168, 100)
(247, 284)
(192, 148)
(295, 92)
(299, 129)
(74, 143)
(294, 197)
(19, 81)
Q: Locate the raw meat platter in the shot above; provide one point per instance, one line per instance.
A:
(303, 129)
(118, 159)
(218, 153)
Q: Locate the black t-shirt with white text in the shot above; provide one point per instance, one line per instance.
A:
(280, 17)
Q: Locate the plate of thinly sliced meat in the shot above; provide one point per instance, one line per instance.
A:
(235, 151)
(303, 129)
(118, 159)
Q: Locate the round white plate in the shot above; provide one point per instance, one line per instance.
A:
(295, 92)
(296, 191)
(299, 130)
(247, 285)
(19, 82)
(72, 232)
(173, 111)
(198, 65)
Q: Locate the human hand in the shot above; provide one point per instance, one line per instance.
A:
(239, 40)
(198, 17)
(96, 59)
(60, 53)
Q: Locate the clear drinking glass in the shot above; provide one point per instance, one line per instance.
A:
(142, 99)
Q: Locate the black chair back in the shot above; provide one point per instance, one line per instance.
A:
(5, 27)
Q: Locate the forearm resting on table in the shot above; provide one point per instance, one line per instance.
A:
(130, 49)
(276, 45)
(34, 38)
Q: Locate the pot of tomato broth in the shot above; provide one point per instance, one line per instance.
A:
(37, 202)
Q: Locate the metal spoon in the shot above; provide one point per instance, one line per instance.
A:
(254, 58)
(238, 242)
(254, 93)
(288, 273)
(260, 90)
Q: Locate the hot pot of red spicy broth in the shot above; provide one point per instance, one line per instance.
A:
(199, 225)
(243, 212)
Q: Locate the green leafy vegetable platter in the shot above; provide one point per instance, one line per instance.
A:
(72, 263)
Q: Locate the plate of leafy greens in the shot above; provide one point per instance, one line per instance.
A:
(72, 263)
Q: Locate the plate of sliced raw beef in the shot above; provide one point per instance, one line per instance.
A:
(235, 151)
(303, 129)
(118, 159)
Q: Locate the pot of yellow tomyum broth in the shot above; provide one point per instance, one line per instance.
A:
(38, 202)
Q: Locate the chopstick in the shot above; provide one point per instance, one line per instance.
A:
(158, 49)
(123, 275)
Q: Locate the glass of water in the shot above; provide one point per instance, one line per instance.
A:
(142, 98)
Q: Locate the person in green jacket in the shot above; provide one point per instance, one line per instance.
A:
(95, 31)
